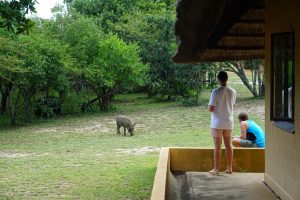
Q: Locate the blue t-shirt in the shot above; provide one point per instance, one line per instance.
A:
(257, 132)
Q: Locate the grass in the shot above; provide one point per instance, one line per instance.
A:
(82, 157)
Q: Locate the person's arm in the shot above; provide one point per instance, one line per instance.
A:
(211, 108)
(212, 102)
(244, 127)
(234, 101)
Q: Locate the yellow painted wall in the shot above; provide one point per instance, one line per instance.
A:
(282, 171)
(200, 159)
(192, 159)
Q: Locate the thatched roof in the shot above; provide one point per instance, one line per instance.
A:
(219, 30)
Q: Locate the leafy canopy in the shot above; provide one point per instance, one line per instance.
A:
(118, 65)
(13, 15)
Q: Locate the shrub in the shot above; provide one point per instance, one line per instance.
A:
(47, 107)
(190, 102)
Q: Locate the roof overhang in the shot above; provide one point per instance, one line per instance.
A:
(219, 30)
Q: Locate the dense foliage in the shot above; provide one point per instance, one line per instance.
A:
(13, 15)
(86, 54)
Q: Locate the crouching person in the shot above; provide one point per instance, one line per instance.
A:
(252, 134)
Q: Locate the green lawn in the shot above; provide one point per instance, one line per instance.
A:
(82, 157)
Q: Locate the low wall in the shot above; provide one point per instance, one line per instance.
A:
(201, 159)
(192, 159)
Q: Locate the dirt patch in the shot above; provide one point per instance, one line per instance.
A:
(20, 155)
(139, 150)
(46, 130)
(92, 129)
(86, 128)
(15, 155)
(252, 109)
(63, 185)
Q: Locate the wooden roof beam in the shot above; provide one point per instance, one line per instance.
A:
(238, 48)
(256, 35)
(251, 21)
(258, 8)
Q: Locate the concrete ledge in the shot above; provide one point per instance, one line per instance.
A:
(201, 159)
(192, 159)
(160, 188)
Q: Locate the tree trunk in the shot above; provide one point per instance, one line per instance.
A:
(28, 108)
(254, 81)
(27, 94)
(254, 76)
(106, 97)
(5, 93)
(245, 80)
(238, 69)
(263, 88)
(100, 102)
(13, 107)
(4, 97)
(104, 102)
(260, 82)
(13, 116)
(62, 96)
(47, 91)
(86, 106)
(198, 94)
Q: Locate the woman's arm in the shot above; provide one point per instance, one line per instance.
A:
(212, 102)
(211, 108)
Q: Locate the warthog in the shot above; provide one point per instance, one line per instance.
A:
(126, 123)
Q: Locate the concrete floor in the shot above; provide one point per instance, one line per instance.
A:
(203, 185)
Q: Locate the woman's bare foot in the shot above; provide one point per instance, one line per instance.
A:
(214, 172)
(228, 171)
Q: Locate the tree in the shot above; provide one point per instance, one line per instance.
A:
(13, 18)
(151, 27)
(10, 62)
(258, 77)
(192, 78)
(238, 67)
(46, 63)
(146, 23)
(10, 69)
(104, 64)
(13, 15)
(107, 13)
(29, 64)
(117, 67)
(82, 35)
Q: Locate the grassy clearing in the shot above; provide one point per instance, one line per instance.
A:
(82, 157)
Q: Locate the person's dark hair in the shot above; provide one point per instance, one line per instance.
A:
(243, 116)
(222, 76)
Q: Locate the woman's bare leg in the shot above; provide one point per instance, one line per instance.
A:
(229, 151)
(217, 136)
(217, 153)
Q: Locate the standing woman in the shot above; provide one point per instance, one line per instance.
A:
(220, 106)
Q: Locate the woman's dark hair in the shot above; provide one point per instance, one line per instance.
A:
(243, 116)
(222, 76)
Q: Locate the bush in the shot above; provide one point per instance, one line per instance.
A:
(76, 103)
(72, 104)
(190, 102)
(47, 107)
